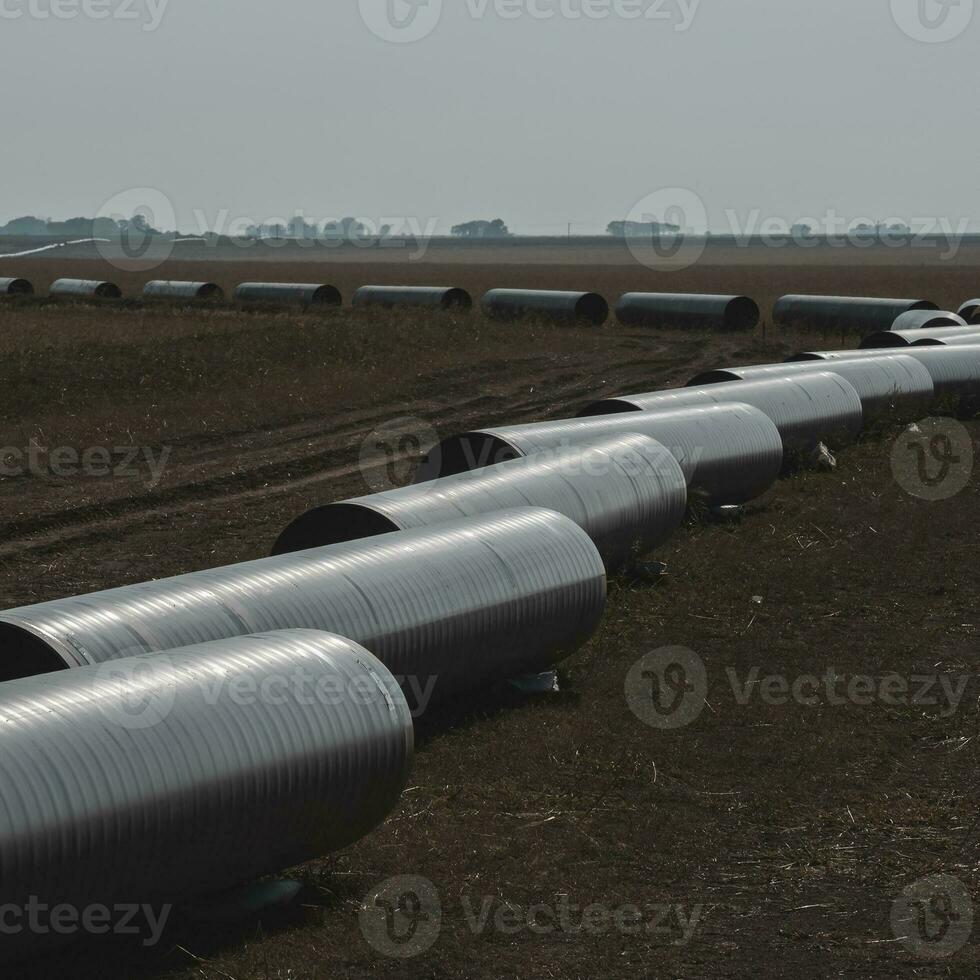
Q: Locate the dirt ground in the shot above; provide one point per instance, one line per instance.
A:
(770, 835)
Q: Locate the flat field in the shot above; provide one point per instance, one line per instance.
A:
(768, 837)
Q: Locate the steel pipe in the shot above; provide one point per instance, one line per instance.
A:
(960, 340)
(842, 312)
(970, 311)
(905, 338)
(309, 294)
(688, 311)
(954, 369)
(171, 289)
(729, 453)
(927, 320)
(16, 287)
(452, 606)
(188, 772)
(807, 410)
(890, 385)
(90, 288)
(426, 297)
(558, 307)
(628, 493)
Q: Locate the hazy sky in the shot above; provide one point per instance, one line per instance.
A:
(787, 107)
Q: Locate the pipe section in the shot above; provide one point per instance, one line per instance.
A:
(826, 313)
(688, 311)
(588, 309)
(729, 453)
(308, 294)
(424, 297)
(628, 493)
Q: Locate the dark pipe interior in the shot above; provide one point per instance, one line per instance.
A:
(331, 525)
(22, 654)
(19, 287)
(210, 290)
(713, 378)
(885, 338)
(108, 290)
(461, 454)
(611, 406)
(457, 299)
(327, 296)
(742, 313)
(592, 308)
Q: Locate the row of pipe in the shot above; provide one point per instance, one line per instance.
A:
(133, 768)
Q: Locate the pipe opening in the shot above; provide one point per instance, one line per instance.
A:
(461, 454)
(593, 309)
(457, 299)
(885, 338)
(326, 296)
(108, 290)
(611, 406)
(713, 378)
(19, 287)
(331, 525)
(742, 313)
(210, 290)
(22, 654)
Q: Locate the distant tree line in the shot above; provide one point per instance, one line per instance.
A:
(640, 229)
(482, 229)
(30, 226)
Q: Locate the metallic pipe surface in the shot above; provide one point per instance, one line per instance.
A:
(426, 297)
(85, 287)
(310, 294)
(172, 289)
(889, 385)
(807, 409)
(905, 338)
(559, 307)
(927, 320)
(454, 605)
(970, 311)
(970, 339)
(628, 493)
(729, 453)
(16, 287)
(954, 368)
(843, 312)
(177, 774)
(688, 311)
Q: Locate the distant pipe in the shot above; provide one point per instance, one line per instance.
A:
(628, 493)
(970, 311)
(309, 294)
(558, 307)
(927, 320)
(16, 287)
(807, 409)
(729, 453)
(890, 385)
(688, 312)
(842, 313)
(171, 289)
(425, 297)
(456, 605)
(90, 288)
(192, 771)
(905, 338)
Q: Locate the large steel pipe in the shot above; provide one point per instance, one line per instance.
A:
(628, 493)
(688, 311)
(927, 320)
(905, 338)
(451, 606)
(968, 339)
(970, 311)
(89, 288)
(425, 297)
(559, 307)
(192, 771)
(829, 313)
(305, 293)
(807, 410)
(954, 369)
(16, 287)
(729, 453)
(172, 289)
(889, 386)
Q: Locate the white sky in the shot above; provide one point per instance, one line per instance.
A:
(265, 107)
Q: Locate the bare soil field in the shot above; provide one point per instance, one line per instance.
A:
(767, 837)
